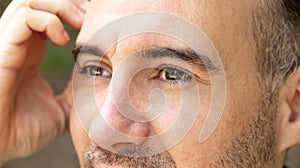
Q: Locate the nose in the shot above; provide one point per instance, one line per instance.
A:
(110, 128)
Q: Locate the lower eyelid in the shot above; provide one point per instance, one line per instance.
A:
(161, 67)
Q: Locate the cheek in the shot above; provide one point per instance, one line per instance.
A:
(170, 114)
(79, 136)
(175, 113)
(189, 144)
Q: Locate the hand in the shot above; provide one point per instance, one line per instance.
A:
(30, 115)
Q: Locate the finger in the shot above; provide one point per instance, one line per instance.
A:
(21, 28)
(48, 24)
(68, 11)
(81, 4)
(10, 11)
(26, 20)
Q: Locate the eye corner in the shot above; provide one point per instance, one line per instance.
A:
(95, 70)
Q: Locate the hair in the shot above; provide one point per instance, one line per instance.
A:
(277, 35)
(276, 31)
(276, 25)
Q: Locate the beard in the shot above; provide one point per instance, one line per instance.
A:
(95, 155)
(254, 147)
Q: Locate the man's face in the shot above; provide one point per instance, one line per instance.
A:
(228, 25)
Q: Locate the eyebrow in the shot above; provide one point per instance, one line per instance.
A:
(188, 55)
(86, 49)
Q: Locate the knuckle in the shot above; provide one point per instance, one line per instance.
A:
(73, 7)
(22, 15)
(20, 2)
(23, 12)
(53, 19)
(30, 3)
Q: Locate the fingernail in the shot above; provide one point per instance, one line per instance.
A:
(83, 5)
(80, 15)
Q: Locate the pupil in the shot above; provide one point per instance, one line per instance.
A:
(173, 75)
(96, 71)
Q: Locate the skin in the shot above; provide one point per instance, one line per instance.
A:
(237, 75)
(226, 23)
(237, 49)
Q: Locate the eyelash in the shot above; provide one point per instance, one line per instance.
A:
(162, 70)
(186, 76)
(87, 70)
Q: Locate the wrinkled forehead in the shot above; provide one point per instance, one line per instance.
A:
(102, 12)
(218, 19)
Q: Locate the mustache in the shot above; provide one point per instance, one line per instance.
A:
(94, 156)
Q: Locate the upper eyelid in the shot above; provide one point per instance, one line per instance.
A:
(197, 77)
(84, 70)
(98, 63)
(186, 74)
(164, 66)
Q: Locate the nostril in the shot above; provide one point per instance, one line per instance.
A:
(125, 145)
(113, 131)
(130, 136)
(121, 144)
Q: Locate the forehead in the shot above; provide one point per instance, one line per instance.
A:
(212, 16)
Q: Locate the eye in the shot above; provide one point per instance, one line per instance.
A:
(173, 74)
(93, 70)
